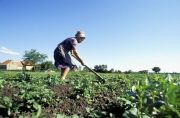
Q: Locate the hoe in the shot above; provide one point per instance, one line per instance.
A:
(99, 77)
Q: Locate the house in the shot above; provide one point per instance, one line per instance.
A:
(15, 65)
(27, 65)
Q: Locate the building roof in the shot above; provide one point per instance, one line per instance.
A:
(26, 63)
(18, 63)
(6, 62)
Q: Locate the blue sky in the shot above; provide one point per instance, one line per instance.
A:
(124, 34)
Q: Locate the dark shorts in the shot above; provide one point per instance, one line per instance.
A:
(62, 61)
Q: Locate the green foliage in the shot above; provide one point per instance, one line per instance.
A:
(100, 68)
(156, 69)
(64, 116)
(143, 71)
(135, 95)
(31, 94)
(156, 97)
(34, 56)
(48, 65)
(128, 72)
(6, 103)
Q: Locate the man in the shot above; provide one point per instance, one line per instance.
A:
(62, 57)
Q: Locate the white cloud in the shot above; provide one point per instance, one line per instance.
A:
(8, 51)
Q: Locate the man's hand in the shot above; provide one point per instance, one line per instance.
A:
(82, 63)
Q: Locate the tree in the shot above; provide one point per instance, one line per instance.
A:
(47, 65)
(112, 70)
(118, 71)
(156, 69)
(34, 57)
(143, 71)
(100, 68)
(128, 72)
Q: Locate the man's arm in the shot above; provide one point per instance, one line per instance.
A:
(76, 56)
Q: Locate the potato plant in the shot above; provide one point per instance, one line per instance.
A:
(41, 94)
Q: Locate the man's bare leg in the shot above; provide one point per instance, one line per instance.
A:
(64, 72)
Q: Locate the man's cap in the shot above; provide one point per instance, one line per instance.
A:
(80, 34)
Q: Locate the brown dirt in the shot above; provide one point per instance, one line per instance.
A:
(68, 104)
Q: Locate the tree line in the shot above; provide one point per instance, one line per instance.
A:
(39, 63)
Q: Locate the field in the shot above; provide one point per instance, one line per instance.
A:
(134, 95)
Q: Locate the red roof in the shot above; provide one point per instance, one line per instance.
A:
(26, 63)
(6, 62)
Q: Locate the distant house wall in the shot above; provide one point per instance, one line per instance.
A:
(12, 65)
(19, 68)
(29, 67)
(8, 66)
